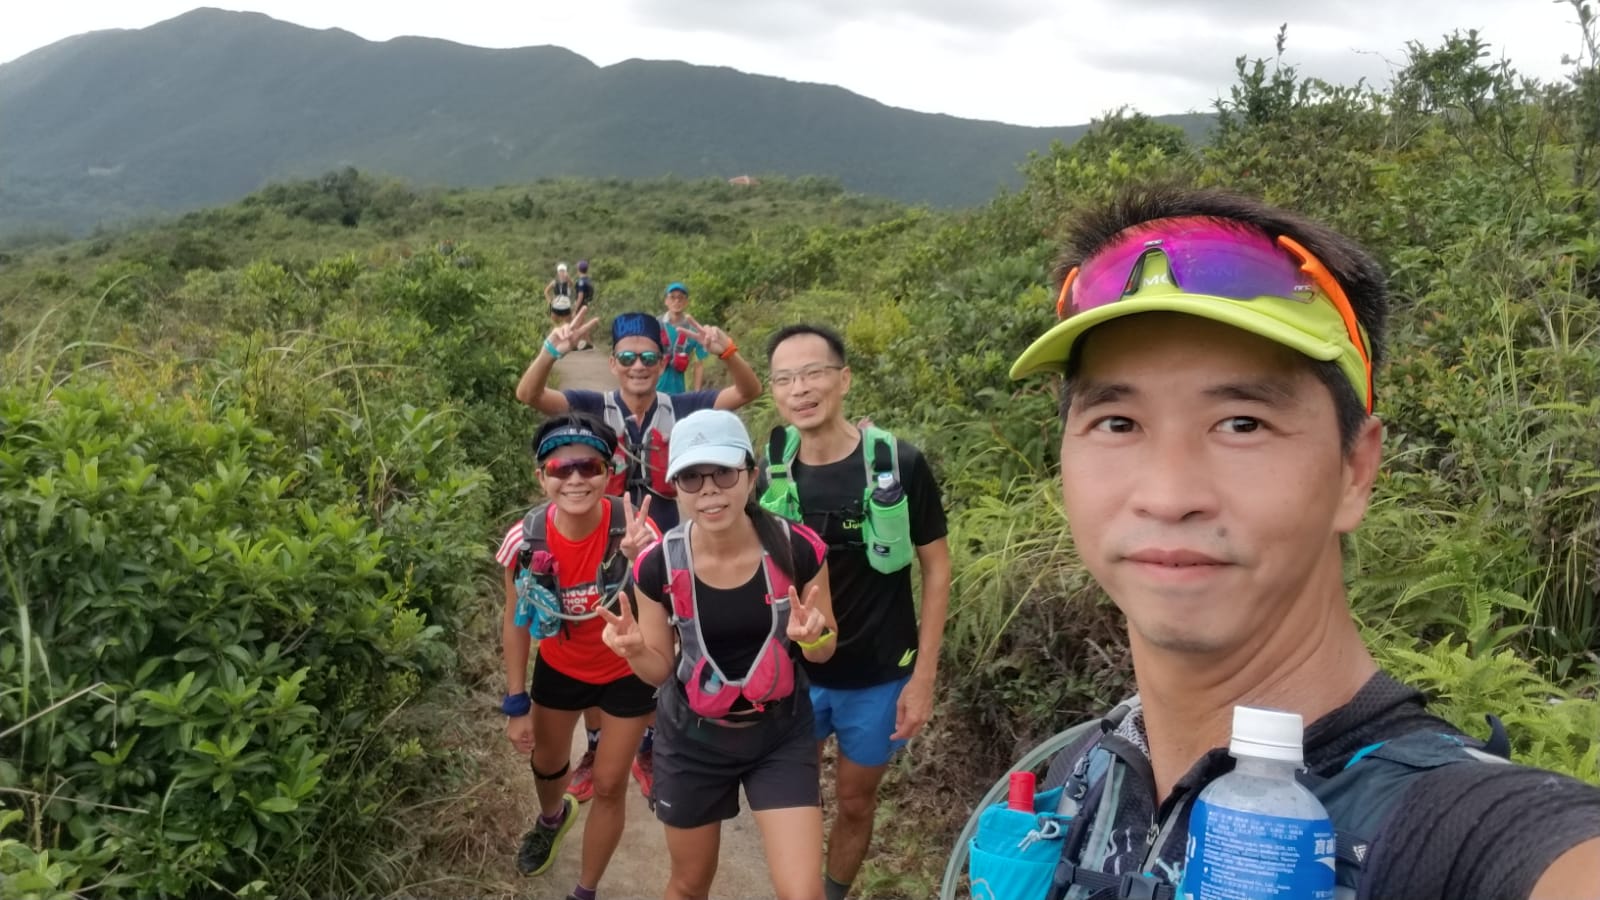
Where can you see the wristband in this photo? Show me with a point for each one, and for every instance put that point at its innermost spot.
(732, 349)
(551, 349)
(516, 705)
(826, 636)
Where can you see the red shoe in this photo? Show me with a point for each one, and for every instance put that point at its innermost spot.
(644, 772)
(582, 785)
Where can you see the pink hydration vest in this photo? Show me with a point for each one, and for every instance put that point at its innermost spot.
(710, 691)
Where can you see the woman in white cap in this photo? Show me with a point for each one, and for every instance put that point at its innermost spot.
(742, 591)
(559, 294)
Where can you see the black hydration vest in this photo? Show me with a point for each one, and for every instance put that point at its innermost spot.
(1358, 799)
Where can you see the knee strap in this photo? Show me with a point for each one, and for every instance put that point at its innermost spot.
(549, 776)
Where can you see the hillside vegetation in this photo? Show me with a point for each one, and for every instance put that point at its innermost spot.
(253, 462)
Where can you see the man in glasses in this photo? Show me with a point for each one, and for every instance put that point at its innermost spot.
(864, 492)
(1216, 357)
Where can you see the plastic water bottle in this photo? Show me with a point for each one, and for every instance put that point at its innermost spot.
(888, 491)
(1256, 833)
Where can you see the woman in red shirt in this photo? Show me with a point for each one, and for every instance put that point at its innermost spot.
(725, 602)
(567, 558)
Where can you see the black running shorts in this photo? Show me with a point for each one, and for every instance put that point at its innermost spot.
(699, 767)
(625, 698)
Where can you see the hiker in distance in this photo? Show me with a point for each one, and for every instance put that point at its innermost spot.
(564, 561)
(1218, 361)
(724, 605)
(874, 501)
(558, 295)
(684, 352)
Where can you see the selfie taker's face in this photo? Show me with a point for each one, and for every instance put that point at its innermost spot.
(1204, 482)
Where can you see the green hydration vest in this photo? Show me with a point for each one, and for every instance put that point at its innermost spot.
(886, 522)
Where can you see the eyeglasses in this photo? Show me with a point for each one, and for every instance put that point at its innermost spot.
(692, 480)
(803, 376)
(628, 357)
(582, 466)
(1207, 257)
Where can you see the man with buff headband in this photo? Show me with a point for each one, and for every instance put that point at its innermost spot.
(1217, 357)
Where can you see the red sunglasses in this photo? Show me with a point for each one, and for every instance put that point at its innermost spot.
(582, 466)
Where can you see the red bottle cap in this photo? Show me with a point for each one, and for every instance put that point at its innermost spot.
(1021, 796)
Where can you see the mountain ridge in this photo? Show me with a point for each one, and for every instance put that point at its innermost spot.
(210, 105)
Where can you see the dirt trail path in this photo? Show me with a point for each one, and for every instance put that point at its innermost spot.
(503, 802)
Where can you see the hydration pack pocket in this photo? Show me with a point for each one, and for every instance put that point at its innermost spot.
(1013, 855)
(886, 530)
(537, 607)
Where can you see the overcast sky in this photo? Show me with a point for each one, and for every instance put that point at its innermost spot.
(1033, 62)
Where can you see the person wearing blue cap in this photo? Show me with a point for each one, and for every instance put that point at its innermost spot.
(684, 351)
(641, 413)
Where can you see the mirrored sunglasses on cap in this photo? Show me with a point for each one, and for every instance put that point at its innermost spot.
(1276, 283)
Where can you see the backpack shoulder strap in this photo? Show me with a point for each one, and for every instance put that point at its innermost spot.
(783, 445)
(664, 418)
(680, 571)
(1361, 795)
(778, 581)
(880, 454)
(616, 522)
(534, 535)
(614, 416)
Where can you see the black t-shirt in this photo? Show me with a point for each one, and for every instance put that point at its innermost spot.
(585, 289)
(1465, 831)
(734, 622)
(877, 614)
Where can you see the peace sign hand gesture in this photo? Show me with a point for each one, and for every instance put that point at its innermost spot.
(638, 533)
(566, 337)
(714, 339)
(621, 633)
(806, 622)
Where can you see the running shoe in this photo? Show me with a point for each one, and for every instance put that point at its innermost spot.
(539, 846)
(582, 785)
(644, 772)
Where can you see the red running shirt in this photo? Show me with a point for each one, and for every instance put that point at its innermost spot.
(576, 650)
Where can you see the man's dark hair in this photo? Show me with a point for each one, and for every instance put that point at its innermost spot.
(1351, 265)
(829, 336)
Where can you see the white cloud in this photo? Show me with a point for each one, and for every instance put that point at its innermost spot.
(1037, 62)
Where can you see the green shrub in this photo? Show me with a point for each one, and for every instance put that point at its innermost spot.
(204, 632)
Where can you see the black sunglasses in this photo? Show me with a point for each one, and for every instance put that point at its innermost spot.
(628, 357)
(690, 482)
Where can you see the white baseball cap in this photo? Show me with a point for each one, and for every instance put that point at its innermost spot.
(710, 437)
